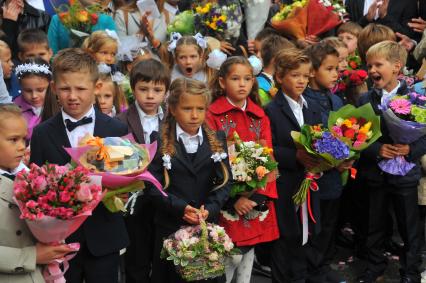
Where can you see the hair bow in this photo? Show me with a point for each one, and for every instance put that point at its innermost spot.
(175, 36)
(201, 41)
(256, 64)
(113, 34)
(216, 59)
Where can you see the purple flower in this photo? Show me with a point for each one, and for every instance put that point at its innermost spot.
(331, 145)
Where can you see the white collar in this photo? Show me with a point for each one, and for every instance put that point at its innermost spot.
(293, 103)
(242, 108)
(143, 115)
(15, 171)
(271, 77)
(171, 9)
(181, 133)
(90, 113)
(392, 92)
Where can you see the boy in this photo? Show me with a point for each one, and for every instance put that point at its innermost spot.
(149, 80)
(288, 111)
(103, 235)
(33, 43)
(348, 33)
(269, 48)
(385, 61)
(342, 50)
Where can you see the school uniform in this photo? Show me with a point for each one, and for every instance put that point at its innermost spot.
(383, 188)
(289, 258)
(103, 234)
(193, 175)
(140, 219)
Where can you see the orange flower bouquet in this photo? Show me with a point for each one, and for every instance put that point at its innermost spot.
(292, 19)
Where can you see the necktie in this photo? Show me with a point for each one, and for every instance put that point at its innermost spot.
(72, 125)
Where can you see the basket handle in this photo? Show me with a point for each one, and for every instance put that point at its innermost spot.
(203, 227)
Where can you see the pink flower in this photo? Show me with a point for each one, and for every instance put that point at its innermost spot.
(64, 196)
(84, 194)
(338, 131)
(31, 204)
(39, 183)
(400, 106)
(51, 195)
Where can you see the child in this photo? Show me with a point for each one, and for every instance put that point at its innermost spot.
(247, 220)
(103, 46)
(189, 58)
(348, 33)
(291, 255)
(254, 46)
(269, 48)
(385, 61)
(34, 77)
(341, 49)
(103, 235)
(110, 98)
(33, 43)
(6, 60)
(150, 81)
(195, 183)
(20, 256)
(371, 35)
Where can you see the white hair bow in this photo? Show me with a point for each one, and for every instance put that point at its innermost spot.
(113, 34)
(256, 64)
(216, 59)
(175, 36)
(201, 41)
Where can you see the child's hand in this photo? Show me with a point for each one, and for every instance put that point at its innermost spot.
(388, 151)
(345, 165)
(45, 253)
(226, 47)
(403, 149)
(307, 160)
(191, 215)
(244, 205)
(383, 9)
(372, 11)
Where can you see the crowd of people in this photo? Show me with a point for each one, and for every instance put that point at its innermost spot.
(191, 94)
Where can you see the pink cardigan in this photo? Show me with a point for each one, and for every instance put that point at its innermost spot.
(28, 113)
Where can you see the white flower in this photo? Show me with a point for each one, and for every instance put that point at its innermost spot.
(213, 256)
(167, 163)
(219, 156)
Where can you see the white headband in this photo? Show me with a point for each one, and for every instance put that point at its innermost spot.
(117, 77)
(175, 36)
(32, 68)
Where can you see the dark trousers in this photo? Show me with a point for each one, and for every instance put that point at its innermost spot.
(85, 267)
(404, 202)
(140, 227)
(292, 262)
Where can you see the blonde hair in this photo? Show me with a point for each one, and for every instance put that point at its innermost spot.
(74, 60)
(371, 35)
(289, 59)
(350, 27)
(178, 88)
(119, 98)
(390, 50)
(10, 110)
(96, 40)
(335, 42)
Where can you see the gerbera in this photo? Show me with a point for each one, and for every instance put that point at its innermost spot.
(400, 106)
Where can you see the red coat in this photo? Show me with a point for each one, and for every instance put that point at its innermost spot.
(251, 125)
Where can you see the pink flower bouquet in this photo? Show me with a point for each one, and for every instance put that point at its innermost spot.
(55, 201)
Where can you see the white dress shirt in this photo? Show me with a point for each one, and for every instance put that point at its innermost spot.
(367, 4)
(242, 108)
(191, 143)
(82, 130)
(15, 171)
(149, 123)
(297, 108)
(38, 4)
(386, 94)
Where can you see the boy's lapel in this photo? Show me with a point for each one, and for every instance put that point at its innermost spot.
(59, 134)
(285, 108)
(135, 123)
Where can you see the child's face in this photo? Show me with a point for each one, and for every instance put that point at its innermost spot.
(343, 58)
(6, 62)
(76, 92)
(383, 73)
(350, 40)
(294, 82)
(149, 96)
(190, 112)
(105, 97)
(33, 90)
(327, 74)
(106, 54)
(36, 50)
(188, 59)
(237, 83)
(13, 131)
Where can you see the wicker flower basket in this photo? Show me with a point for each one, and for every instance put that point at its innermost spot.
(201, 269)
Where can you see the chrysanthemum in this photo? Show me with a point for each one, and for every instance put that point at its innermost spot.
(400, 106)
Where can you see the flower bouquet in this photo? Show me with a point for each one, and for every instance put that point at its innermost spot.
(405, 116)
(356, 127)
(55, 201)
(351, 78)
(120, 161)
(292, 19)
(199, 252)
(252, 166)
(78, 20)
(183, 23)
(354, 62)
(323, 15)
(408, 76)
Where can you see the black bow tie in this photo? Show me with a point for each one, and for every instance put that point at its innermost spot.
(72, 125)
(9, 176)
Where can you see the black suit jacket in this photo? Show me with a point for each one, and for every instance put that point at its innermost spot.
(291, 171)
(103, 232)
(191, 182)
(400, 12)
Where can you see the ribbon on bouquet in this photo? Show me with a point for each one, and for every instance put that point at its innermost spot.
(53, 273)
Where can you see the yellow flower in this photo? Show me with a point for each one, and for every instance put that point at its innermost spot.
(366, 128)
(267, 150)
(347, 123)
(213, 25)
(222, 18)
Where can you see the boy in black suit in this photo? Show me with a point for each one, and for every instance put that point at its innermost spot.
(103, 235)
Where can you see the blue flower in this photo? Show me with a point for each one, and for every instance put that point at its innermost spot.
(331, 145)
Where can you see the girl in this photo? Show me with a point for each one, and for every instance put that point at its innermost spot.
(20, 256)
(247, 220)
(34, 77)
(185, 164)
(103, 46)
(189, 56)
(110, 98)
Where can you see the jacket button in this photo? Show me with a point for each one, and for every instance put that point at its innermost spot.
(18, 233)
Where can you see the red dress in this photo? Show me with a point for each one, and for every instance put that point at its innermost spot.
(251, 125)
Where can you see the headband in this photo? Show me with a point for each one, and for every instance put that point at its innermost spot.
(33, 68)
(175, 36)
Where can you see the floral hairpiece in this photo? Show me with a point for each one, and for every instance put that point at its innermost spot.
(175, 36)
(113, 34)
(32, 68)
(117, 76)
(167, 163)
(219, 156)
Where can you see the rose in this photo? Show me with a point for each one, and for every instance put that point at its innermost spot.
(82, 16)
(64, 196)
(261, 171)
(353, 65)
(349, 133)
(84, 194)
(31, 204)
(362, 74)
(39, 183)
(94, 18)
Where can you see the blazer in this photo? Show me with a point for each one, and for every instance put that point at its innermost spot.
(17, 245)
(191, 182)
(291, 171)
(368, 171)
(103, 232)
(397, 18)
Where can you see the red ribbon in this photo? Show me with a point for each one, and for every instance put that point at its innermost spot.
(314, 187)
(353, 172)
